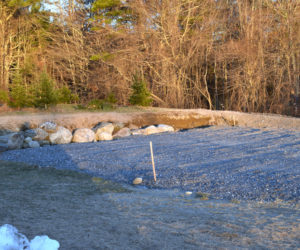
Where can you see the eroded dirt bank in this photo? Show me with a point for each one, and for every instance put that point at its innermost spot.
(180, 119)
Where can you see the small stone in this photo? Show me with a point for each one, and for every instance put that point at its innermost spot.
(33, 144)
(137, 181)
(188, 193)
(104, 137)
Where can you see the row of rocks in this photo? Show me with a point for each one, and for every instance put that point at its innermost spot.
(49, 133)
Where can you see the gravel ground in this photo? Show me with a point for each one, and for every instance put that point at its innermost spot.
(223, 162)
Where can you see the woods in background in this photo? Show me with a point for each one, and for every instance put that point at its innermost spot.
(239, 55)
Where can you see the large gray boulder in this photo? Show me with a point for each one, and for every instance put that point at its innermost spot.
(3, 147)
(4, 138)
(15, 141)
(30, 133)
(61, 136)
(83, 135)
(40, 135)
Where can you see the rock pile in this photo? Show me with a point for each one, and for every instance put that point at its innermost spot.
(49, 133)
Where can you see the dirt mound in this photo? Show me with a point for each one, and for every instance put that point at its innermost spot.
(180, 119)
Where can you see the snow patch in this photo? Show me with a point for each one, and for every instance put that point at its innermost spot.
(11, 239)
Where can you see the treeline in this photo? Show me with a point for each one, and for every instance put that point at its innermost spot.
(219, 54)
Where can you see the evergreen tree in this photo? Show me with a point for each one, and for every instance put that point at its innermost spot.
(18, 92)
(45, 93)
(140, 95)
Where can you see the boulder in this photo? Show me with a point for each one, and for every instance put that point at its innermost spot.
(137, 132)
(26, 142)
(4, 138)
(83, 135)
(104, 136)
(33, 144)
(30, 133)
(104, 127)
(61, 136)
(25, 126)
(165, 128)
(133, 126)
(150, 130)
(40, 134)
(28, 139)
(15, 141)
(117, 127)
(3, 147)
(49, 127)
(124, 132)
(5, 132)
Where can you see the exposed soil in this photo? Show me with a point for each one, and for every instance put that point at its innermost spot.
(179, 118)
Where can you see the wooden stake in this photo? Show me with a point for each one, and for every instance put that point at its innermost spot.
(153, 165)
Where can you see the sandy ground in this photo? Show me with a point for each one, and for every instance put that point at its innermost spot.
(180, 119)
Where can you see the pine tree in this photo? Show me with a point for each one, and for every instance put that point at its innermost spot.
(140, 95)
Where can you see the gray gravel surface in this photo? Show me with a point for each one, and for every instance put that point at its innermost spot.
(224, 162)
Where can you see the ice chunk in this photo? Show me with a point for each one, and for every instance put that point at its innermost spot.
(11, 239)
(43, 242)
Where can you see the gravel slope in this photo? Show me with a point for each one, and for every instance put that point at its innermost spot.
(225, 162)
